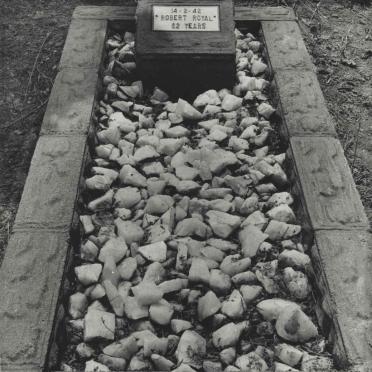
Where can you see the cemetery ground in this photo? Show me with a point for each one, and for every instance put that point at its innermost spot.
(338, 36)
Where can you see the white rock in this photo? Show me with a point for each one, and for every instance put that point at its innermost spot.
(192, 227)
(127, 268)
(258, 67)
(179, 325)
(98, 182)
(210, 97)
(288, 354)
(184, 368)
(78, 305)
(116, 248)
(161, 312)
(129, 176)
(265, 110)
(250, 239)
(231, 102)
(89, 251)
(229, 334)
(147, 293)
(191, 349)
(187, 111)
(271, 308)
(283, 213)
(256, 219)
(92, 366)
(158, 204)
(161, 363)
(103, 202)
(228, 355)
(115, 364)
(173, 285)
(155, 252)
(176, 132)
(88, 274)
(251, 362)
(234, 264)
(127, 197)
(223, 224)
(145, 153)
(280, 198)
(184, 172)
(234, 306)
(124, 348)
(277, 230)
(129, 231)
(199, 272)
(133, 310)
(208, 305)
(297, 283)
(84, 351)
(219, 281)
(169, 146)
(250, 293)
(246, 277)
(155, 272)
(295, 326)
(295, 259)
(113, 295)
(155, 345)
(87, 223)
(99, 324)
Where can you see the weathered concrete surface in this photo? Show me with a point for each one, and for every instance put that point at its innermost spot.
(30, 277)
(285, 46)
(302, 103)
(329, 191)
(342, 259)
(71, 102)
(49, 195)
(84, 44)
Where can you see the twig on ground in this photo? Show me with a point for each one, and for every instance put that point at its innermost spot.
(316, 10)
(35, 109)
(35, 63)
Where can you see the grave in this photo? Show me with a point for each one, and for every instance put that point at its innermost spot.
(36, 271)
(186, 48)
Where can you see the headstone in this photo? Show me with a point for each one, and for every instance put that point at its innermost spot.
(186, 47)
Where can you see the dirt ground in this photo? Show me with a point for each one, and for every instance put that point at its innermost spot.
(338, 35)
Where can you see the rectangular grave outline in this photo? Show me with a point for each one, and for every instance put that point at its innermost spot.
(191, 5)
(92, 16)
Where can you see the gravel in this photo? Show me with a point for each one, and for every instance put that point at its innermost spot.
(191, 255)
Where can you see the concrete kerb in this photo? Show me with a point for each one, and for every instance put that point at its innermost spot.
(35, 266)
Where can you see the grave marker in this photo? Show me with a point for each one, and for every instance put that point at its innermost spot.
(186, 48)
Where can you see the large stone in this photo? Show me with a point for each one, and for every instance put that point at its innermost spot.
(250, 239)
(147, 293)
(295, 326)
(88, 274)
(124, 348)
(250, 293)
(78, 305)
(234, 306)
(127, 268)
(219, 282)
(129, 231)
(192, 227)
(99, 325)
(180, 325)
(229, 334)
(161, 312)
(191, 349)
(131, 177)
(127, 197)
(208, 305)
(143, 153)
(155, 252)
(235, 264)
(158, 204)
(187, 111)
(133, 310)
(199, 271)
(288, 354)
(116, 248)
(294, 259)
(251, 362)
(223, 224)
(271, 308)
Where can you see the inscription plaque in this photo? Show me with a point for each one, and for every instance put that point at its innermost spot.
(186, 18)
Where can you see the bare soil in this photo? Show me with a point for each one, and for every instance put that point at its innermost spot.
(338, 35)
